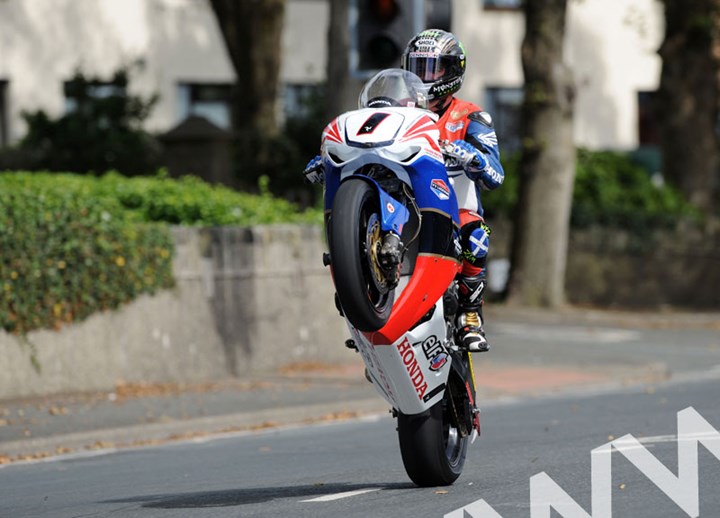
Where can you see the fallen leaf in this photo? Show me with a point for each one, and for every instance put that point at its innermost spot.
(61, 450)
(100, 445)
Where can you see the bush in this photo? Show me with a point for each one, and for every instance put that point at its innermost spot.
(283, 157)
(610, 190)
(65, 255)
(71, 245)
(103, 131)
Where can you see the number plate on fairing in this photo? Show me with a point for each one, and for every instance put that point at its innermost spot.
(371, 126)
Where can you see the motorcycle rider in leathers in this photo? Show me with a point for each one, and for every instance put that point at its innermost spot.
(438, 58)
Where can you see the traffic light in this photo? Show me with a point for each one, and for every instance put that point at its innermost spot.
(382, 29)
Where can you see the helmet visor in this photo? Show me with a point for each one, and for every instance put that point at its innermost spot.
(430, 67)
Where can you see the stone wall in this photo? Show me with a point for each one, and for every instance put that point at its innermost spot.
(251, 300)
(614, 268)
(246, 300)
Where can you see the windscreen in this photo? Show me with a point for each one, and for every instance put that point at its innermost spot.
(394, 87)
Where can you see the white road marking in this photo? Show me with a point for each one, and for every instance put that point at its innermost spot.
(674, 438)
(346, 494)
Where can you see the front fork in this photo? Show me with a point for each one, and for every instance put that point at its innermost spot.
(393, 216)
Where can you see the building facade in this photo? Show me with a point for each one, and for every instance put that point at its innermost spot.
(176, 51)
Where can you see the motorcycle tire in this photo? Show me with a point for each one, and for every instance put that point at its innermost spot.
(355, 208)
(433, 452)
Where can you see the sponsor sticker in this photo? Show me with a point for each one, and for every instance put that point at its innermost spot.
(440, 188)
(437, 362)
(455, 126)
(407, 354)
(459, 113)
(435, 352)
(390, 208)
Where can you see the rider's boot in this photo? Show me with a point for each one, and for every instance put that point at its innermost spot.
(471, 334)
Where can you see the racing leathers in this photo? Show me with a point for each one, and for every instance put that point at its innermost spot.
(477, 168)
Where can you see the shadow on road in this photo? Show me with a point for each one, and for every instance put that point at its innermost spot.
(257, 495)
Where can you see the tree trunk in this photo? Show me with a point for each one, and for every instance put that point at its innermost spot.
(547, 167)
(252, 30)
(342, 89)
(687, 102)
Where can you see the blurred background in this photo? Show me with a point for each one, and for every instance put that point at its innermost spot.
(606, 113)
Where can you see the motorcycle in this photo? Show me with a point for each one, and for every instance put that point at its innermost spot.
(392, 228)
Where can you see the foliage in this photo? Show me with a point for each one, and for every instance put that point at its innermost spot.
(101, 131)
(610, 190)
(71, 245)
(65, 254)
(283, 157)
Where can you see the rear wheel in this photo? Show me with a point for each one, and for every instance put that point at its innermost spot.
(355, 239)
(433, 450)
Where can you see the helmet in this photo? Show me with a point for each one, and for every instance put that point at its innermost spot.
(438, 58)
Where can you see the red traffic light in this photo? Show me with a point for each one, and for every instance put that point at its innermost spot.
(384, 11)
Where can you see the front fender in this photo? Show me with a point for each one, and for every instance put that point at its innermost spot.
(393, 214)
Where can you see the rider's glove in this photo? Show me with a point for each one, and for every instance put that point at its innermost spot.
(471, 159)
(313, 172)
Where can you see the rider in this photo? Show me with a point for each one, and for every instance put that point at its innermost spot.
(438, 58)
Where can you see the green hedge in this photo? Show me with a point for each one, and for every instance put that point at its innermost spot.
(72, 245)
(611, 190)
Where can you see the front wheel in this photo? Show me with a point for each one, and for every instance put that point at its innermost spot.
(432, 448)
(354, 239)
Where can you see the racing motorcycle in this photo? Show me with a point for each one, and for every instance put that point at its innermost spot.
(392, 228)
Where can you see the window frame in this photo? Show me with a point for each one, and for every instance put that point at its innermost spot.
(502, 120)
(189, 97)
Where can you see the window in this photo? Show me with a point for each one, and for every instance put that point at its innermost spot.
(504, 105)
(301, 100)
(502, 4)
(648, 152)
(3, 114)
(76, 89)
(647, 125)
(212, 101)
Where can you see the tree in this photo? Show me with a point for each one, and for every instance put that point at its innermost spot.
(547, 165)
(102, 132)
(252, 30)
(687, 102)
(340, 91)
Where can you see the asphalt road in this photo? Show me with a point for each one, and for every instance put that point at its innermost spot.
(353, 469)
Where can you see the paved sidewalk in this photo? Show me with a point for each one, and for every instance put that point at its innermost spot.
(582, 349)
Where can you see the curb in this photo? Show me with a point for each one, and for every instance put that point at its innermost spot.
(159, 433)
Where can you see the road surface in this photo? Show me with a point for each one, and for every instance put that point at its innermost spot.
(353, 469)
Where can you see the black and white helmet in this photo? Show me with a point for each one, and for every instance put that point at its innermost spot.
(438, 58)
